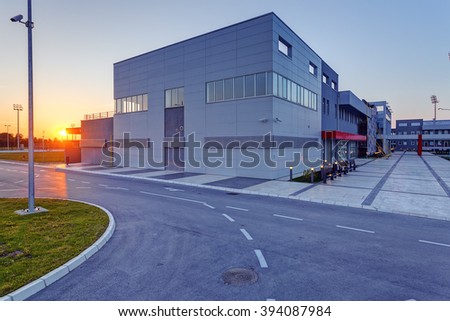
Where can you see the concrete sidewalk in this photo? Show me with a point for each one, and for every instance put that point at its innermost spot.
(404, 183)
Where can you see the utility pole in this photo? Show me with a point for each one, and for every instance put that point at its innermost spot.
(7, 136)
(18, 108)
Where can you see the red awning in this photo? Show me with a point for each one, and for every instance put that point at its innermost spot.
(336, 134)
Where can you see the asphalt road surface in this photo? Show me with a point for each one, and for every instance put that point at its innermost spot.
(175, 243)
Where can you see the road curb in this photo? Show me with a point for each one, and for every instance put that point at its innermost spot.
(34, 287)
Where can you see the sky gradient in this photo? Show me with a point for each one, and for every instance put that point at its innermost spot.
(382, 50)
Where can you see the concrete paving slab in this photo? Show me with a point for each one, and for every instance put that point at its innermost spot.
(176, 175)
(155, 173)
(405, 185)
(201, 179)
(27, 290)
(413, 204)
(237, 182)
(335, 194)
(355, 181)
(278, 188)
(55, 275)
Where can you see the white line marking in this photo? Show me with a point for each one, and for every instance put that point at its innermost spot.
(355, 229)
(269, 299)
(178, 198)
(171, 189)
(23, 172)
(82, 187)
(228, 217)
(118, 188)
(21, 181)
(434, 243)
(288, 217)
(48, 176)
(237, 208)
(102, 185)
(84, 182)
(42, 170)
(261, 259)
(246, 234)
(71, 179)
(37, 175)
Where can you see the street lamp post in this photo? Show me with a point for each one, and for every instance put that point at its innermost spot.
(29, 24)
(7, 136)
(18, 108)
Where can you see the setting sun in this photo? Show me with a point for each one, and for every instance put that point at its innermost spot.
(63, 132)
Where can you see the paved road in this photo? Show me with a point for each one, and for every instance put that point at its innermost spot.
(175, 243)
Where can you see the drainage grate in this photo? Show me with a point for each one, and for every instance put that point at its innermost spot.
(239, 276)
(232, 193)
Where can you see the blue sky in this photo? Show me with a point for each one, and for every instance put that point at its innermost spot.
(383, 50)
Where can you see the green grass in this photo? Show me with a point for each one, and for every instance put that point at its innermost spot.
(33, 245)
(306, 178)
(39, 157)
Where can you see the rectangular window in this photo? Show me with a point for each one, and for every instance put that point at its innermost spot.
(261, 84)
(402, 124)
(325, 79)
(270, 85)
(145, 102)
(312, 69)
(139, 102)
(275, 84)
(284, 88)
(174, 97)
(210, 92)
(333, 85)
(250, 86)
(238, 87)
(284, 47)
(219, 90)
(323, 105)
(415, 124)
(228, 89)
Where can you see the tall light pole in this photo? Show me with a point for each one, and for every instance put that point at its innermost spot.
(7, 136)
(29, 24)
(18, 108)
(434, 101)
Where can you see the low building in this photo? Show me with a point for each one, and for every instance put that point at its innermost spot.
(435, 135)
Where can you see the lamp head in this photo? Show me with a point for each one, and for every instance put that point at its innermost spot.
(17, 18)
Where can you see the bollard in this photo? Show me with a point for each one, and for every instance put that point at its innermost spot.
(290, 173)
(312, 174)
(324, 177)
(67, 160)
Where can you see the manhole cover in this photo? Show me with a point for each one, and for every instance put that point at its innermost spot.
(239, 276)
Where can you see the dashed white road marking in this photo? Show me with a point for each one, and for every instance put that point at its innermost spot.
(237, 208)
(261, 259)
(246, 234)
(228, 217)
(71, 179)
(37, 175)
(289, 217)
(434, 243)
(42, 170)
(171, 189)
(18, 182)
(82, 187)
(84, 182)
(178, 198)
(355, 229)
(117, 188)
(103, 185)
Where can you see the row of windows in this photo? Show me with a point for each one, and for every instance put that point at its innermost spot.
(326, 80)
(406, 124)
(444, 143)
(260, 84)
(347, 116)
(131, 104)
(425, 132)
(174, 97)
